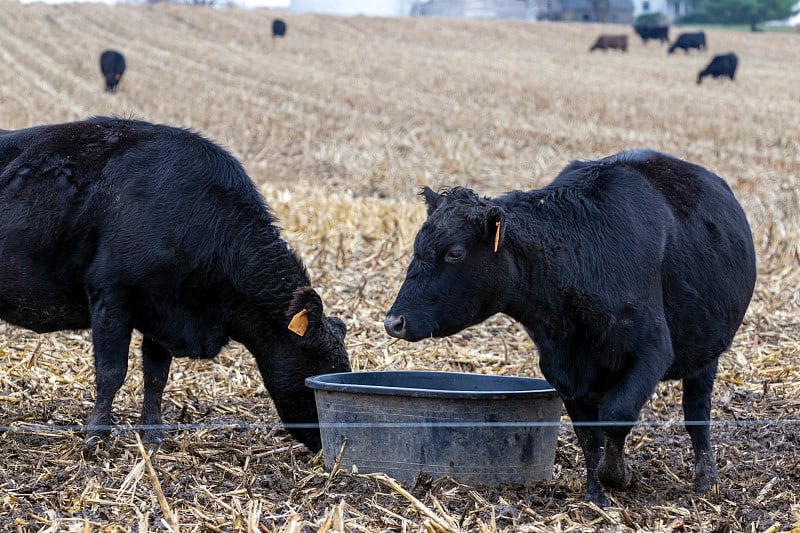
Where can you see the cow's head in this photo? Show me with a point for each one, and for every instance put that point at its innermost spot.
(457, 274)
(310, 344)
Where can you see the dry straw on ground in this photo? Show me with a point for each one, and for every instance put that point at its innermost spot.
(339, 124)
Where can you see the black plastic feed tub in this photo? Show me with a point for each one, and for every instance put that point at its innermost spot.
(478, 429)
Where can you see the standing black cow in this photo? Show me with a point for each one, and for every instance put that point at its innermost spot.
(117, 225)
(689, 40)
(610, 42)
(625, 271)
(112, 65)
(721, 65)
(278, 28)
(653, 31)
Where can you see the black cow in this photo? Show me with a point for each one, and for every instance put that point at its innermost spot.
(689, 40)
(610, 42)
(117, 225)
(278, 28)
(624, 271)
(647, 32)
(721, 65)
(112, 65)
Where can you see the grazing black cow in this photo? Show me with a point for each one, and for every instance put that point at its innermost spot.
(112, 65)
(624, 271)
(117, 225)
(278, 28)
(653, 31)
(721, 65)
(610, 42)
(689, 40)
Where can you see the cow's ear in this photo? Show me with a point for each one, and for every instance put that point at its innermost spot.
(432, 199)
(496, 226)
(304, 311)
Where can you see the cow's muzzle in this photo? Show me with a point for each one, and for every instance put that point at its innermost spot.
(396, 326)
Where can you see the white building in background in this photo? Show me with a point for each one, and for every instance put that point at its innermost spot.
(795, 19)
(671, 9)
(372, 8)
(646, 7)
(492, 9)
(500, 9)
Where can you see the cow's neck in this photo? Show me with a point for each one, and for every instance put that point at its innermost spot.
(269, 274)
(537, 252)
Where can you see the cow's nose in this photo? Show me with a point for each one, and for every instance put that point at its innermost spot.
(395, 326)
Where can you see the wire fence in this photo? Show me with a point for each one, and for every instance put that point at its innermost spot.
(38, 428)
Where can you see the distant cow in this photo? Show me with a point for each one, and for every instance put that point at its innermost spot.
(117, 225)
(689, 40)
(721, 65)
(112, 65)
(624, 271)
(278, 28)
(647, 32)
(610, 42)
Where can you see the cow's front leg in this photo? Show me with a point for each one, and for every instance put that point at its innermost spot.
(623, 401)
(584, 423)
(697, 416)
(156, 361)
(111, 337)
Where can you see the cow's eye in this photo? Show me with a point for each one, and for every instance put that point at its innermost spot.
(455, 254)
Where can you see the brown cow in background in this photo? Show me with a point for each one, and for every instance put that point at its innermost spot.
(606, 42)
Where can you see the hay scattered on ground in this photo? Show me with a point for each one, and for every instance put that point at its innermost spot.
(340, 123)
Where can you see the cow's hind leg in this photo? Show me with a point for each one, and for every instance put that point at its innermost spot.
(622, 403)
(697, 417)
(111, 337)
(590, 437)
(156, 361)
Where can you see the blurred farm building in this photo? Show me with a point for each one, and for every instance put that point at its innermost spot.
(620, 11)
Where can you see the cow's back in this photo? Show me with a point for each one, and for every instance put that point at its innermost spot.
(48, 227)
(100, 171)
(55, 178)
(116, 202)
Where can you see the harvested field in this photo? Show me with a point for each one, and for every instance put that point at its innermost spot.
(340, 123)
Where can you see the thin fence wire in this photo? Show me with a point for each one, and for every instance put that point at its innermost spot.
(38, 428)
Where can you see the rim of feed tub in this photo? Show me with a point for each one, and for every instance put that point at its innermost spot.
(433, 384)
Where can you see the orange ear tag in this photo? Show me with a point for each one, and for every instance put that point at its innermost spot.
(299, 323)
(497, 236)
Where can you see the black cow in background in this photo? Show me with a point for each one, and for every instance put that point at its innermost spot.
(117, 225)
(689, 40)
(721, 65)
(112, 65)
(624, 271)
(610, 42)
(652, 31)
(278, 28)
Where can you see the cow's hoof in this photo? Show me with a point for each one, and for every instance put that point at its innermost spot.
(598, 498)
(153, 437)
(617, 476)
(706, 479)
(95, 439)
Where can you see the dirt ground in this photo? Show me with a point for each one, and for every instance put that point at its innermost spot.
(254, 476)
